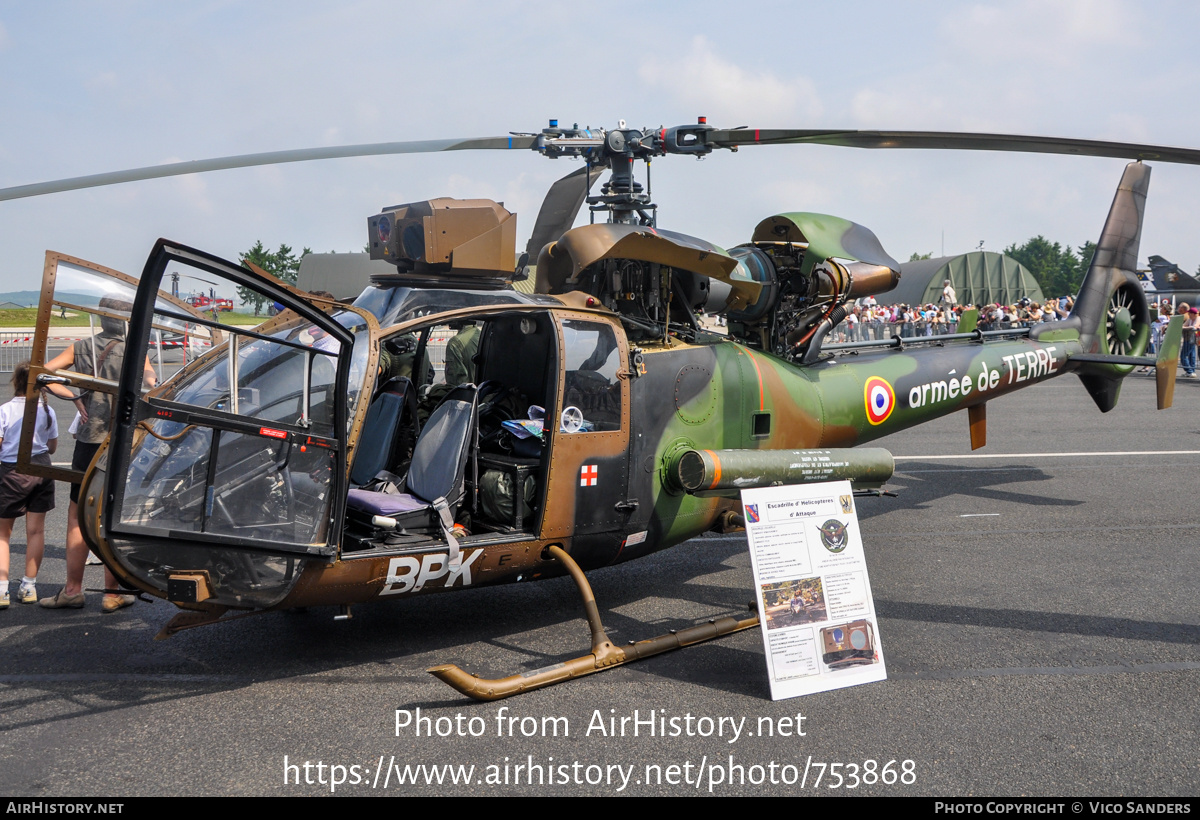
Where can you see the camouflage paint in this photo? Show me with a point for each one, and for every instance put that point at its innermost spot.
(718, 394)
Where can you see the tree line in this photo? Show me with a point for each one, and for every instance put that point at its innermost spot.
(1058, 269)
(282, 264)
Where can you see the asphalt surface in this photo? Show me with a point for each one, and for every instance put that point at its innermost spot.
(1037, 612)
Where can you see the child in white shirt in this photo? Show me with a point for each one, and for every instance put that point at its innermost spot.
(20, 493)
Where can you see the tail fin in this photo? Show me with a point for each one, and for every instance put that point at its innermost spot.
(1112, 313)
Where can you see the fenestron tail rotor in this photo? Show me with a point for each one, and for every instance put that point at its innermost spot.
(1125, 329)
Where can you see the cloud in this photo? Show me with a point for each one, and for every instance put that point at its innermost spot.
(899, 108)
(188, 188)
(103, 81)
(725, 91)
(1016, 65)
(1030, 33)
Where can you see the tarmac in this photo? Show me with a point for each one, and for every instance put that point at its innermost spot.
(1037, 611)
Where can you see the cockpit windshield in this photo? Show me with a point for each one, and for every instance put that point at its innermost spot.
(285, 375)
(393, 305)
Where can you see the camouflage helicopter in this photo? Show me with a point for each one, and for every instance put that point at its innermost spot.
(448, 431)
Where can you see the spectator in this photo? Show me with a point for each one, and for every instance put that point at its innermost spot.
(20, 493)
(852, 326)
(949, 297)
(1187, 354)
(95, 411)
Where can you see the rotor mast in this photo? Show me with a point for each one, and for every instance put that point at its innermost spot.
(624, 198)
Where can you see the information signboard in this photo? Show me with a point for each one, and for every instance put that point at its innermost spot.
(814, 595)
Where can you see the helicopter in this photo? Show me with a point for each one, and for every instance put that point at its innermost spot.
(447, 430)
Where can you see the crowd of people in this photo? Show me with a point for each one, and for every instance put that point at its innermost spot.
(1191, 323)
(867, 320)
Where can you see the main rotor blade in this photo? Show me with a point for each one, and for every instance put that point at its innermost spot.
(268, 158)
(954, 141)
(200, 279)
(560, 207)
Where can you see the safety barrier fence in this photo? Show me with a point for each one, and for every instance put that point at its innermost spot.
(15, 346)
(874, 331)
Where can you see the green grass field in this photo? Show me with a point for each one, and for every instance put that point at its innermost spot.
(27, 317)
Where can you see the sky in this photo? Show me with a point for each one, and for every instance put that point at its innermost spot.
(93, 87)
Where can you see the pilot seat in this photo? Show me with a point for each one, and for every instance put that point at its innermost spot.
(434, 486)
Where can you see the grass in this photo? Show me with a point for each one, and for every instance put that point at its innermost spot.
(235, 318)
(27, 317)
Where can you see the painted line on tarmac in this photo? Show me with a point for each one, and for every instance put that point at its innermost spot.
(120, 677)
(184, 677)
(1056, 455)
(1136, 528)
(954, 674)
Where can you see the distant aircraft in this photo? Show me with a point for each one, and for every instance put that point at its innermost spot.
(1166, 281)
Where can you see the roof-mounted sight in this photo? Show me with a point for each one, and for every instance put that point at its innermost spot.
(471, 238)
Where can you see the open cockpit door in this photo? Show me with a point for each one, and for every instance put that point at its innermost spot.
(244, 449)
(78, 346)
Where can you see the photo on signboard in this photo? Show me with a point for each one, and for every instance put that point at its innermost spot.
(793, 603)
(847, 645)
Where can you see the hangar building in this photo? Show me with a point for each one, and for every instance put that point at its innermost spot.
(978, 277)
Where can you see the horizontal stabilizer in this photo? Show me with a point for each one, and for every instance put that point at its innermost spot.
(1107, 358)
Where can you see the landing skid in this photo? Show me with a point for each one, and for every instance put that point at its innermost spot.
(604, 654)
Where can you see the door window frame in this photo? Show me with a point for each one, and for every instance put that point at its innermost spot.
(131, 408)
(82, 381)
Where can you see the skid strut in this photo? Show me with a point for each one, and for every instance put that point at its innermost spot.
(604, 654)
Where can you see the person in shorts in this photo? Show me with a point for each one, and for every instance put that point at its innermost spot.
(22, 494)
(100, 357)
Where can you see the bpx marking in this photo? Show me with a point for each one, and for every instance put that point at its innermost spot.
(408, 574)
(880, 399)
(588, 475)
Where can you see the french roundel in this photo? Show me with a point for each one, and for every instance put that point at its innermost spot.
(880, 398)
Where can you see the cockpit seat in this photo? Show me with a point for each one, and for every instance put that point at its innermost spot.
(383, 433)
(436, 481)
